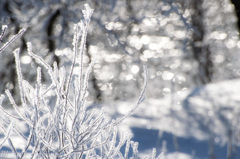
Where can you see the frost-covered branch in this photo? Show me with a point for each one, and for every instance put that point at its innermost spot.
(55, 113)
(11, 40)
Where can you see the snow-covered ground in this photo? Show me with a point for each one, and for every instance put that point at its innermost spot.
(194, 124)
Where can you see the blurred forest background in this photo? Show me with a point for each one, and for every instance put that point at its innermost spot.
(184, 43)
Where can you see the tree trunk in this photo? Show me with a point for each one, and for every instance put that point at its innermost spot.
(236, 3)
(201, 51)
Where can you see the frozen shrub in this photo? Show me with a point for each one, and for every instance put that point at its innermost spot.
(56, 117)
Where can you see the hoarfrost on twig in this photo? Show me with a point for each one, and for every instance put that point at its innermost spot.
(59, 124)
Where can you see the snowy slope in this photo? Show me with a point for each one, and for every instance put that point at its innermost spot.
(202, 119)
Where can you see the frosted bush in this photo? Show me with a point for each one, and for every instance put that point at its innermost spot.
(58, 122)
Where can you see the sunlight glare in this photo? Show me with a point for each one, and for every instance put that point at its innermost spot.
(230, 43)
(145, 39)
(238, 44)
(109, 26)
(148, 53)
(135, 69)
(153, 46)
(114, 26)
(129, 77)
(26, 59)
(61, 52)
(180, 34)
(219, 59)
(112, 57)
(218, 35)
(93, 49)
(167, 75)
(149, 22)
(166, 91)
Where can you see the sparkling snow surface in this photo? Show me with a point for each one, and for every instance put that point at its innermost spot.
(189, 122)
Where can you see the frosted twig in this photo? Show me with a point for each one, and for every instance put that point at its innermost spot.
(95, 140)
(34, 150)
(161, 156)
(11, 40)
(75, 50)
(90, 117)
(29, 93)
(6, 134)
(64, 148)
(19, 133)
(48, 89)
(38, 98)
(16, 108)
(140, 99)
(14, 128)
(13, 148)
(84, 25)
(95, 124)
(113, 142)
(4, 28)
(62, 78)
(48, 67)
(120, 144)
(38, 58)
(10, 115)
(19, 74)
(42, 62)
(127, 148)
(153, 153)
(67, 133)
(39, 76)
(87, 149)
(85, 84)
(81, 99)
(135, 149)
(28, 142)
(45, 143)
(1, 99)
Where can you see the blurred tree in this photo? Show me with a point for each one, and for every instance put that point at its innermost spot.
(190, 42)
(201, 51)
(236, 3)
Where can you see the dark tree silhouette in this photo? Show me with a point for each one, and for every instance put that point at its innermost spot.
(201, 51)
(236, 3)
(51, 41)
